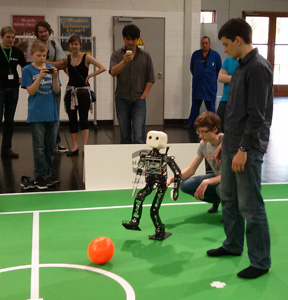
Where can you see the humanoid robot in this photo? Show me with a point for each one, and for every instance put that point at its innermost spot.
(155, 165)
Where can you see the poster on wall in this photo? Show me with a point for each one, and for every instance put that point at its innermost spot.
(24, 26)
(80, 26)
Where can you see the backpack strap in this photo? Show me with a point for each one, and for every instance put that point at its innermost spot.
(54, 46)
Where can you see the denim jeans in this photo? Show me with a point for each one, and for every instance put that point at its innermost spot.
(131, 116)
(58, 101)
(8, 103)
(212, 193)
(195, 109)
(242, 200)
(43, 138)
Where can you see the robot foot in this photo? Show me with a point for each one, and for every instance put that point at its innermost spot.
(160, 236)
(131, 225)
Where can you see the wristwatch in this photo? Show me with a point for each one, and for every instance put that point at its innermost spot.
(243, 149)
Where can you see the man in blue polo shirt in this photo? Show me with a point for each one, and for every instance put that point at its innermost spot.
(204, 66)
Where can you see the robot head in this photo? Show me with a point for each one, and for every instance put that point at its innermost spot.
(157, 139)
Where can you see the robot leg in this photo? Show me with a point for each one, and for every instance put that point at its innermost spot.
(160, 233)
(137, 209)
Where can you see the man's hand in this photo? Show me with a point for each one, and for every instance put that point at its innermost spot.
(239, 161)
(128, 57)
(169, 181)
(199, 194)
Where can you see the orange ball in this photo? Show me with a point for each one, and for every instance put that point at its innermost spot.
(101, 250)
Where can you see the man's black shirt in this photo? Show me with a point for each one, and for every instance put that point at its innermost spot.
(17, 58)
(250, 105)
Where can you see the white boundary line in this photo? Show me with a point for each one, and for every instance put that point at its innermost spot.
(87, 191)
(130, 294)
(117, 207)
(34, 289)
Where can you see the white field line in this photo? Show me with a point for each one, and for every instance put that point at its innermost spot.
(34, 290)
(99, 190)
(116, 207)
(130, 294)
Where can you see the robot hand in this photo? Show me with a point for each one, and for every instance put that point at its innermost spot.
(175, 191)
(137, 179)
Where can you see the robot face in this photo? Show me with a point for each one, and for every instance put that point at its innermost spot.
(157, 139)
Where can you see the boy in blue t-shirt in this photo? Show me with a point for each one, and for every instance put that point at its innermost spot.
(41, 81)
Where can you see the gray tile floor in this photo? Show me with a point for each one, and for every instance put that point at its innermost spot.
(70, 170)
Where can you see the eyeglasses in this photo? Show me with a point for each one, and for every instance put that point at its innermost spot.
(202, 131)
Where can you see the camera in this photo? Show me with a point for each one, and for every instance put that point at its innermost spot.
(50, 71)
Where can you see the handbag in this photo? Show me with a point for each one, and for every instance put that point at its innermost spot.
(92, 93)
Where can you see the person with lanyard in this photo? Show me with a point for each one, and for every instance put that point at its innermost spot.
(10, 58)
(205, 65)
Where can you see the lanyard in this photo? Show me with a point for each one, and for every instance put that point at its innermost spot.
(8, 59)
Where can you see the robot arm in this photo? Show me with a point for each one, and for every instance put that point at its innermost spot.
(177, 178)
(141, 165)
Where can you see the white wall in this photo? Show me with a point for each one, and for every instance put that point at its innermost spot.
(102, 11)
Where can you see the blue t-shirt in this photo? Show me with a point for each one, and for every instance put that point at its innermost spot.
(41, 106)
(230, 65)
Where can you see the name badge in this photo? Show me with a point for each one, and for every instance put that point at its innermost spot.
(10, 77)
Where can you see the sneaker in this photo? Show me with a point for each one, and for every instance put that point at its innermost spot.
(61, 149)
(26, 183)
(41, 184)
(51, 180)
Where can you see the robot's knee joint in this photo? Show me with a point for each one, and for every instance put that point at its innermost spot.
(154, 211)
(140, 197)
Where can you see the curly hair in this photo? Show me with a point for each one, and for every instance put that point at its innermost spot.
(43, 24)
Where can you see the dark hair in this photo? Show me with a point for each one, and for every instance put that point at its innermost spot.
(74, 38)
(205, 37)
(236, 27)
(43, 24)
(131, 31)
(208, 119)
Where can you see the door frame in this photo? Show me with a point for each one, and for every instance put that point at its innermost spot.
(128, 20)
(279, 90)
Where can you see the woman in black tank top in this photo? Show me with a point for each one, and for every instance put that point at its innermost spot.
(77, 97)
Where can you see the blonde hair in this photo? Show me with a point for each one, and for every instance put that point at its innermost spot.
(38, 46)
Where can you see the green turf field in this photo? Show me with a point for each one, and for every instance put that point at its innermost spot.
(44, 240)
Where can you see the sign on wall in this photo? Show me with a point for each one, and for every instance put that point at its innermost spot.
(24, 25)
(80, 26)
(112, 167)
